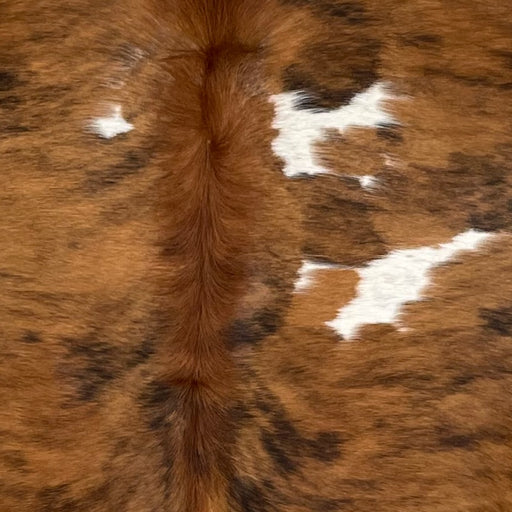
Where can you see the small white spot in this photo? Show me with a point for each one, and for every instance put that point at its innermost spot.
(387, 284)
(108, 127)
(367, 181)
(306, 272)
(299, 130)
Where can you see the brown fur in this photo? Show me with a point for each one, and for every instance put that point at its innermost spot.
(153, 356)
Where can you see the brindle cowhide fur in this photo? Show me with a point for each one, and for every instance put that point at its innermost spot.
(255, 256)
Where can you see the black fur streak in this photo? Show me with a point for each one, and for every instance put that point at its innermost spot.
(31, 337)
(498, 320)
(160, 400)
(7, 80)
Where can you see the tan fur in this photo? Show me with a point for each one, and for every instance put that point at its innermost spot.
(153, 354)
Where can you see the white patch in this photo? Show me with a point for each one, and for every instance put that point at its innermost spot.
(306, 272)
(367, 181)
(387, 284)
(299, 130)
(108, 127)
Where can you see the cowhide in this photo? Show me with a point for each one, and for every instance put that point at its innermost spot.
(255, 256)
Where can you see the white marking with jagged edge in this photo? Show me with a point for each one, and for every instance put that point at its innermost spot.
(300, 130)
(387, 284)
(109, 127)
(306, 272)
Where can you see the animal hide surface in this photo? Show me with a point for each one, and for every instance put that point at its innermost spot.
(255, 256)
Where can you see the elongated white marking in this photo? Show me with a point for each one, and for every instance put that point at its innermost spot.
(108, 127)
(299, 130)
(306, 272)
(387, 284)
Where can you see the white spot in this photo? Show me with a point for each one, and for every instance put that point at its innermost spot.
(367, 181)
(306, 273)
(387, 284)
(299, 130)
(108, 127)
